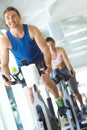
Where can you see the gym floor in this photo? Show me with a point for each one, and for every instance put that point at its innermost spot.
(65, 125)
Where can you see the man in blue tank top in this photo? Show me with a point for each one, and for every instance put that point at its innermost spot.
(26, 42)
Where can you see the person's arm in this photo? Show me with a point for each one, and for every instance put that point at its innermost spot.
(5, 59)
(66, 61)
(37, 36)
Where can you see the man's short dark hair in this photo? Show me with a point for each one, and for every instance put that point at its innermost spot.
(10, 8)
(48, 39)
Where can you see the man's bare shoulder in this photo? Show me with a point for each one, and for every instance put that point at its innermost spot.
(4, 37)
(33, 30)
(32, 27)
(4, 41)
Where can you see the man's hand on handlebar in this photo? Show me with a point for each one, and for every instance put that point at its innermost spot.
(8, 81)
(48, 69)
(8, 84)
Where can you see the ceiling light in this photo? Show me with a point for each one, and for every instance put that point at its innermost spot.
(77, 54)
(79, 48)
(75, 32)
(78, 40)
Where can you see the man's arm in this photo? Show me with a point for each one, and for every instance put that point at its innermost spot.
(5, 58)
(37, 36)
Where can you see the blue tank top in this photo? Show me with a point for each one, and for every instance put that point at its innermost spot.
(24, 48)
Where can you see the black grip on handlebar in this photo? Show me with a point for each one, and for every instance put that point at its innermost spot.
(57, 76)
(6, 79)
(24, 62)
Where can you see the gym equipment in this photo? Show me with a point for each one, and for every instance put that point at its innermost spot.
(14, 108)
(69, 100)
(45, 115)
(85, 96)
(6, 115)
(23, 108)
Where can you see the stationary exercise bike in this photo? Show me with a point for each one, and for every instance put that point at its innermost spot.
(44, 114)
(69, 100)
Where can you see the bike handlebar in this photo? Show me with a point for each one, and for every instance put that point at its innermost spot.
(6, 79)
(57, 76)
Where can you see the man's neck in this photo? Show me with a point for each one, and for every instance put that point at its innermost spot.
(17, 32)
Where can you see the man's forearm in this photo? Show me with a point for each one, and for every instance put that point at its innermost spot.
(5, 70)
(47, 58)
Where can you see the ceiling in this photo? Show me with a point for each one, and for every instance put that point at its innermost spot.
(40, 12)
(71, 14)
